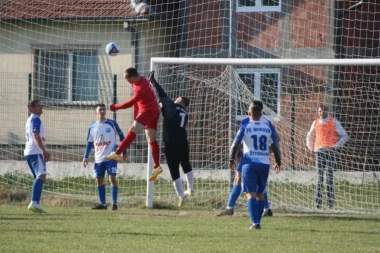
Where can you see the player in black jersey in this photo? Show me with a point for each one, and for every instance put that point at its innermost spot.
(175, 139)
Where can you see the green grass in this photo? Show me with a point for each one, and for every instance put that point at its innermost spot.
(349, 198)
(79, 229)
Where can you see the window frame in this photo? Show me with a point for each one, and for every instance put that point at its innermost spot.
(70, 50)
(259, 7)
(257, 88)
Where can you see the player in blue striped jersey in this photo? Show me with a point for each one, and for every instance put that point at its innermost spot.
(236, 188)
(35, 153)
(257, 137)
(102, 134)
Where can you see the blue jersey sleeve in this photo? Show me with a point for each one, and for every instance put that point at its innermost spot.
(88, 149)
(240, 134)
(35, 124)
(273, 135)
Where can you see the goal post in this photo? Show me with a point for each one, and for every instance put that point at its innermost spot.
(301, 86)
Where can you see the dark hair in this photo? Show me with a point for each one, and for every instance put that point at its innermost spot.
(259, 103)
(186, 101)
(131, 72)
(99, 104)
(33, 103)
(255, 110)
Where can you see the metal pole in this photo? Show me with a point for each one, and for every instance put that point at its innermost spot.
(114, 94)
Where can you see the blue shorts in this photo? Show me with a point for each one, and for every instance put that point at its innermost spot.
(101, 168)
(254, 176)
(36, 164)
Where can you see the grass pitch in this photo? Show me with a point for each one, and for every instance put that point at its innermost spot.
(80, 229)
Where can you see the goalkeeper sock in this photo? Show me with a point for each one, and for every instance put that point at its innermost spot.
(253, 210)
(190, 180)
(127, 141)
(102, 194)
(37, 190)
(155, 153)
(234, 195)
(179, 188)
(114, 190)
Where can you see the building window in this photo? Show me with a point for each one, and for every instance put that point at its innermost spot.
(258, 5)
(66, 76)
(265, 85)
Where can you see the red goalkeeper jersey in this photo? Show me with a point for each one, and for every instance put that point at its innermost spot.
(143, 98)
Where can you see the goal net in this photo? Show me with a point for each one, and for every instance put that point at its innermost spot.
(220, 95)
(53, 51)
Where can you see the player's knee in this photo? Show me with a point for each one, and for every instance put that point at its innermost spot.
(251, 195)
(42, 177)
(237, 179)
(100, 181)
(260, 196)
(113, 181)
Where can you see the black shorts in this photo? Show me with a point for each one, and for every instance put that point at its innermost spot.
(177, 154)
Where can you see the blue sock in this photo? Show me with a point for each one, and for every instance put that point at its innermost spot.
(260, 208)
(234, 195)
(252, 210)
(102, 194)
(266, 202)
(114, 194)
(37, 190)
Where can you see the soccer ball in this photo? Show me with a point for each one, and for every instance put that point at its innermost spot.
(112, 49)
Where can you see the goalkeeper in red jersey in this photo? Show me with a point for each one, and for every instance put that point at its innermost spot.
(146, 114)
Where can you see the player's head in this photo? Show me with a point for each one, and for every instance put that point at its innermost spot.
(35, 107)
(131, 75)
(323, 111)
(259, 103)
(100, 111)
(254, 112)
(184, 101)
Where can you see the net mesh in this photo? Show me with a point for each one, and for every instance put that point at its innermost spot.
(53, 51)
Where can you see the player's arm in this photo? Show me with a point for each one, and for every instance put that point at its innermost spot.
(168, 106)
(36, 125)
(310, 138)
(236, 146)
(40, 145)
(88, 149)
(343, 136)
(127, 104)
(277, 156)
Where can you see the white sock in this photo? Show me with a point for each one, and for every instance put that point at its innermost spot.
(229, 208)
(34, 202)
(190, 180)
(178, 188)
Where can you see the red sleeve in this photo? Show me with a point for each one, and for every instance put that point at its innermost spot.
(133, 100)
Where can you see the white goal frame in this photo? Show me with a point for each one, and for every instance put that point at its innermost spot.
(249, 62)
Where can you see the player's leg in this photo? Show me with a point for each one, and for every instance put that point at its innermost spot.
(187, 170)
(320, 171)
(330, 179)
(38, 167)
(99, 172)
(150, 133)
(127, 141)
(249, 178)
(262, 171)
(112, 172)
(172, 159)
(235, 192)
(267, 210)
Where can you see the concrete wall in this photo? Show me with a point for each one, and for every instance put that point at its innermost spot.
(58, 170)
